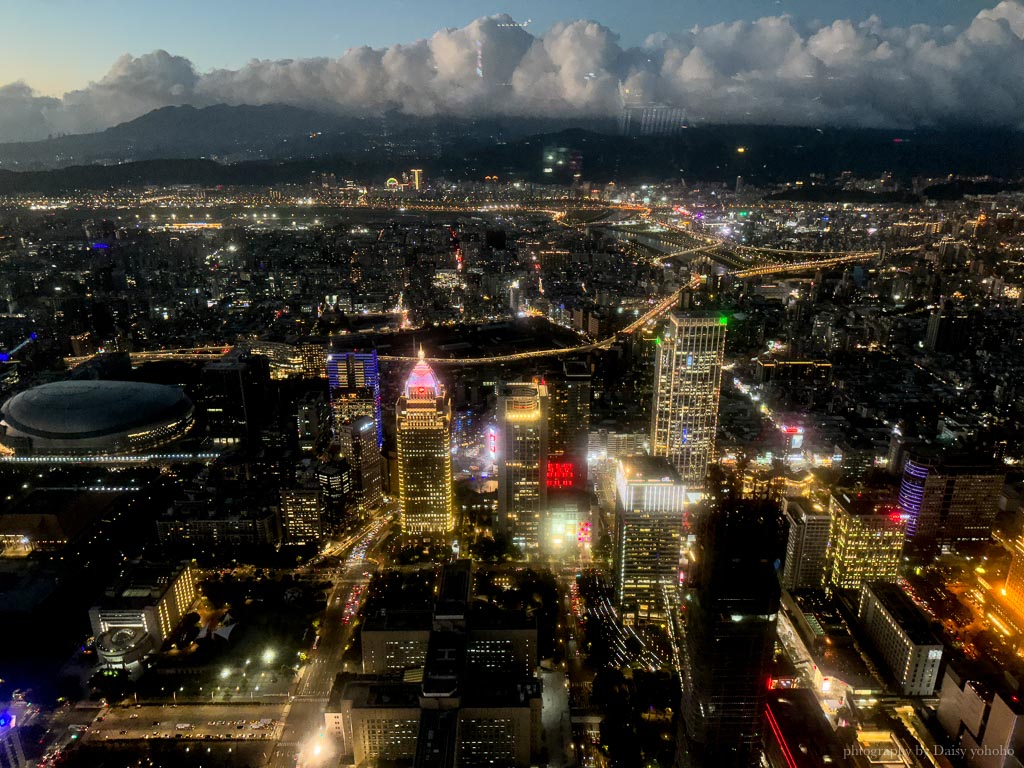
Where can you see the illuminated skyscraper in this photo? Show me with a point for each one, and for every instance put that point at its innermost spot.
(651, 521)
(424, 437)
(687, 376)
(865, 541)
(353, 379)
(522, 462)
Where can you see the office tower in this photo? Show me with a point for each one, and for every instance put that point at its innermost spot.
(651, 522)
(865, 539)
(806, 544)
(353, 380)
(358, 444)
(902, 636)
(522, 462)
(310, 419)
(729, 613)
(417, 178)
(687, 376)
(570, 409)
(949, 500)
(424, 437)
(337, 489)
(301, 510)
(235, 392)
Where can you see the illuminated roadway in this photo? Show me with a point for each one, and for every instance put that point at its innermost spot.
(303, 716)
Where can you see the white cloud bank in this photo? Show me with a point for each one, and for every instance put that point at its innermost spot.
(765, 71)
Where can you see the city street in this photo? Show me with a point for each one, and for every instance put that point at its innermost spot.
(556, 719)
(304, 713)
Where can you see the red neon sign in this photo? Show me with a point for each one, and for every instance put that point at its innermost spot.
(561, 474)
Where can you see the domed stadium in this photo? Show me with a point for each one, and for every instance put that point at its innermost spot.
(90, 418)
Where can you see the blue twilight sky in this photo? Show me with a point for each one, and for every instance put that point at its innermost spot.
(57, 45)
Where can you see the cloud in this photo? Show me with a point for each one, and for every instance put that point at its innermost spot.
(770, 70)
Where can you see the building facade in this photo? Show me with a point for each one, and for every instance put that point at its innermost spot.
(424, 438)
(949, 502)
(983, 716)
(687, 378)
(570, 409)
(651, 523)
(357, 440)
(151, 598)
(901, 636)
(522, 462)
(12, 755)
(730, 611)
(865, 540)
(301, 515)
(353, 380)
(806, 544)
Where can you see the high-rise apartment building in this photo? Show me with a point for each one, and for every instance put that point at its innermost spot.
(687, 377)
(729, 612)
(522, 462)
(424, 437)
(948, 501)
(314, 359)
(651, 513)
(865, 539)
(353, 379)
(806, 544)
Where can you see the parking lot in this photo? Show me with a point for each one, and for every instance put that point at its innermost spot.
(235, 722)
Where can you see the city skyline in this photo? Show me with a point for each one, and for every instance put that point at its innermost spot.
(474, 398)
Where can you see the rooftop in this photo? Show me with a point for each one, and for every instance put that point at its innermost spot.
(85, 409)
(650, 469)
(903, 611)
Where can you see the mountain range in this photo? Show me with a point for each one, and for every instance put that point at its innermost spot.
(280, 144)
